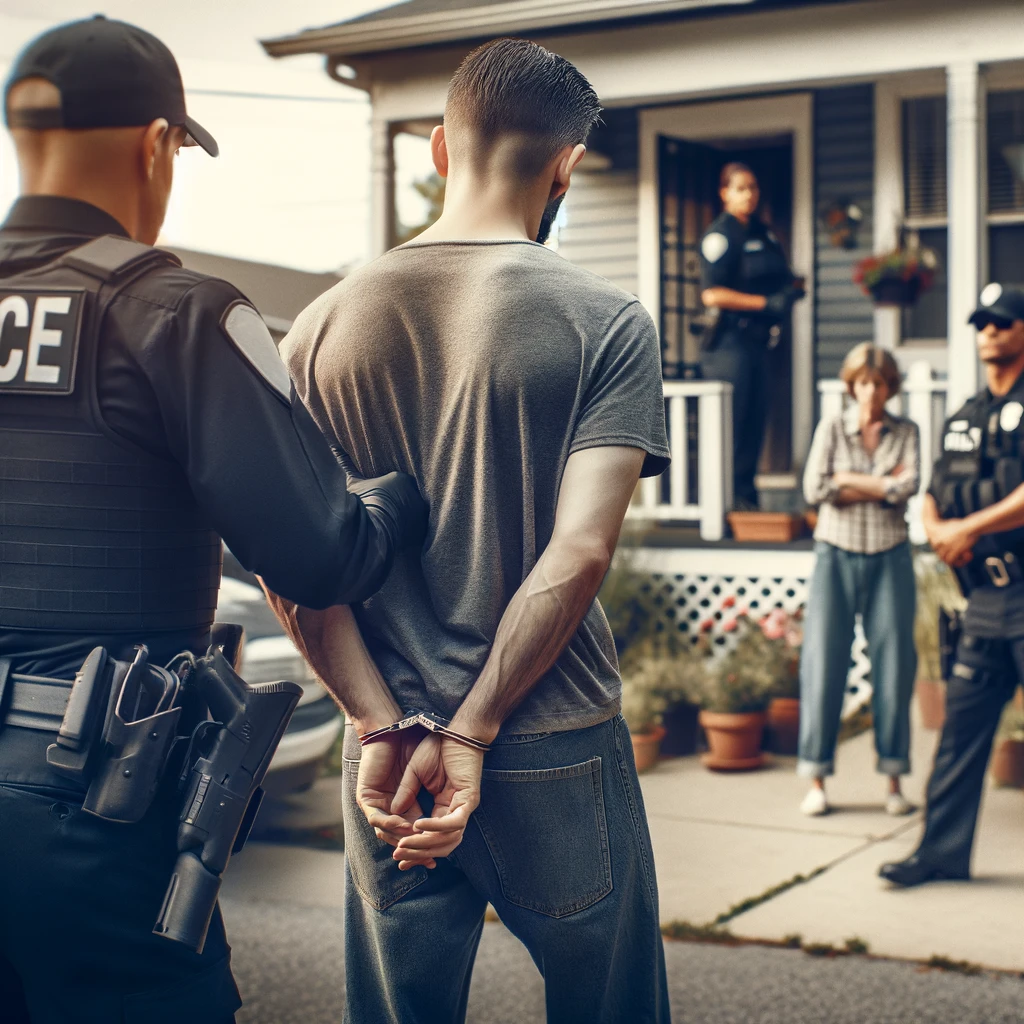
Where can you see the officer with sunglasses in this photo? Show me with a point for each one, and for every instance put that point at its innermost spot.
(974, 517)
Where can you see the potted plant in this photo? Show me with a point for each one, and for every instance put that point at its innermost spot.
(897, 277)
(650, 650)
(1007, 766)
(786, 633)
(642, 708)
(734, 690)
(937, 592)
(755, 527)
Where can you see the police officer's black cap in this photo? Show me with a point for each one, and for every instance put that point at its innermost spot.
(109, 74)
(998, 302)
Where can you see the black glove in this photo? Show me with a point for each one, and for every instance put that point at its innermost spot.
(777, 306)
(394, 503)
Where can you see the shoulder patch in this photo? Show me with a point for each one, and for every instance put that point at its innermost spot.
(251, 337)
(40, 330)
(991, 294)
(714, 246)
(1010, 416)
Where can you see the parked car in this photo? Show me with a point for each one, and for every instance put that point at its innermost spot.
(268, 655)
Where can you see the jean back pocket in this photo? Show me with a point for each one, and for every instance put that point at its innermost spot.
(548, 837)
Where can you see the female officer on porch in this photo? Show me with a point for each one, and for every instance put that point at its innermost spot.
(744, 274)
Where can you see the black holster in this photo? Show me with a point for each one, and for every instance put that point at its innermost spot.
(950, 628)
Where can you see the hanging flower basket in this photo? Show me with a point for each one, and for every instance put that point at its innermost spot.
(896, 278)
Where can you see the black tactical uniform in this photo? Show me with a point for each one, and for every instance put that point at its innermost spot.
(981, 463)
(747, 258)
(144, 415)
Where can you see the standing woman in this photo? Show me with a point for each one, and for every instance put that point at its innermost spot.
(863, 467)
(745, 275)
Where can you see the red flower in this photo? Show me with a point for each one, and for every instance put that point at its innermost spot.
(729, 602)
(707, 625)
(729, 626)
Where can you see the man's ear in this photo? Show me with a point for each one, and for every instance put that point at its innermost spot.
(439, 151)
(155, 133)
(568, 160)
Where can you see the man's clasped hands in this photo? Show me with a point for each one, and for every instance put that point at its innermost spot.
(393, 771)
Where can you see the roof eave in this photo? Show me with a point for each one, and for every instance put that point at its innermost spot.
(400, 33)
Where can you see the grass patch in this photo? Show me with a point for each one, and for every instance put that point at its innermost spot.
(944, 963)
(820, 949)
(755, 901)
(685, 931)
(794, 941)
(856, 946)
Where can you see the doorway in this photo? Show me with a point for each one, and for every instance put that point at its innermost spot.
(688, 177)
(682, 151)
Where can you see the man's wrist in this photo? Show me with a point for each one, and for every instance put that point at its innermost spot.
(475, 726)
(379, 718)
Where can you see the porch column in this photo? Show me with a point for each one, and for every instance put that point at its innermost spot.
(382, 187)
(963, 112)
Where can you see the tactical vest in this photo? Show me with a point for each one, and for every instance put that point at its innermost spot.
(96, 535)
(980, 465)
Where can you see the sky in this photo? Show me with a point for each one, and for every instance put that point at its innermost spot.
(291, 184)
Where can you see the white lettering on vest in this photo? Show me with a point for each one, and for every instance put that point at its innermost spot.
(42, 335)
(962, 442)
(17, 307)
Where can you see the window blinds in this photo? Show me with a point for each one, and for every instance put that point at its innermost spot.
(1006, 152)
(924, 157)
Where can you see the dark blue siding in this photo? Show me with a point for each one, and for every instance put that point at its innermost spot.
(844, 158)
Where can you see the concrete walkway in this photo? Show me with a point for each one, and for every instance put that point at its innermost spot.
(720, 839)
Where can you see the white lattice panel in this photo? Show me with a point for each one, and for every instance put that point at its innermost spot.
(688, 601)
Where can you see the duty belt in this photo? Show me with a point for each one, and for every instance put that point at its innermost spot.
(994, 570)
(32, 702)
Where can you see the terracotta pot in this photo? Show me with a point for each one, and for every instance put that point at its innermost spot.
(645, 747)
(931, 702)
(770, 527)
(734, 739)
(784, 724)
(681, 731)
(1008, 763)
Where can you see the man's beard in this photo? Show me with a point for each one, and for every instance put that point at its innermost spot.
(547, 220)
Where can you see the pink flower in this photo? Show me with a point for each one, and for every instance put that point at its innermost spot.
(729, 626)
(729, 602)
(707, 625)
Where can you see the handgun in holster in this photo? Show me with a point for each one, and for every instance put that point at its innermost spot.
(950, 628)
(226, 761)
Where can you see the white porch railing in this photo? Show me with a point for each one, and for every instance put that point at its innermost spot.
(698, 484)
(923, 400)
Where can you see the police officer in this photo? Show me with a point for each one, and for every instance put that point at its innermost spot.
(974, 517)
(144, 415)
(744, 274)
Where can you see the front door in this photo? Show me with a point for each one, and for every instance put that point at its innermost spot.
(689, 179)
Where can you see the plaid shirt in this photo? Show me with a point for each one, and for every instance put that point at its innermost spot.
(866, 527)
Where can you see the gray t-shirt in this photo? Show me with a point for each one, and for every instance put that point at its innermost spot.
(479, 367)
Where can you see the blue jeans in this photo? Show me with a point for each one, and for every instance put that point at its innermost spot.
(882, 590)
(559, 847)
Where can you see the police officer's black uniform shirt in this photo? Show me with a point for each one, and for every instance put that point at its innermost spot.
(745, 257)
(170, 381)
(980, 464)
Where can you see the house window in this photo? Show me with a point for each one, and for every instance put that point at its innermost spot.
(925, 215)
(1005, 214)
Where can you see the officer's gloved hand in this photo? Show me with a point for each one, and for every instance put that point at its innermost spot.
(777, 306)
(395, 505)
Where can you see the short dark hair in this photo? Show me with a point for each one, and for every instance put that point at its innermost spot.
(730, 169)
(514, 86)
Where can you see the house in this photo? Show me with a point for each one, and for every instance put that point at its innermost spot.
(911, 111)
(279, 293)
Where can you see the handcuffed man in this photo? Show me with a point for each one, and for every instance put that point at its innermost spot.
(524, 395)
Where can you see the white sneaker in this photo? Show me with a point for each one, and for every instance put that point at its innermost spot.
(815, 803)
(897, 805)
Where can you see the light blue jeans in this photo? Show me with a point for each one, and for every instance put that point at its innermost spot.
(881, 588)
(559, 847)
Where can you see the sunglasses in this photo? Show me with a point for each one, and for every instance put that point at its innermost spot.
(1000, 323)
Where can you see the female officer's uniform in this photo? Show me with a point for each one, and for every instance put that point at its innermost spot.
(747, 258)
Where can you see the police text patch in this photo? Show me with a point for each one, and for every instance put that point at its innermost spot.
(39, 333)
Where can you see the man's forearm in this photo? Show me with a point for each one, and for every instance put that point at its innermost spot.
(537, 625)
(333, 647)
(1007, 514)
